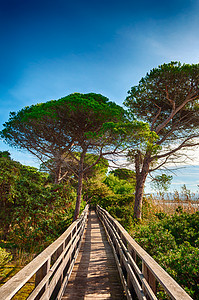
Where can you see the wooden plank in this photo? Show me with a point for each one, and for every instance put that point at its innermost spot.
(121, 249)
(95, 273)
(129, 262)
(11, 287)
(53, 268)
(114, 248)
(173, 289)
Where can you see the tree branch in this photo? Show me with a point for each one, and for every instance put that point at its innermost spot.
(183, 145)
(174, 112)
(159, 166)
(156, 117)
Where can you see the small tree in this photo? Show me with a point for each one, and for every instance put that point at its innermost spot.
(185, 192)
(5, 154)
(161, 183)
(168, 99)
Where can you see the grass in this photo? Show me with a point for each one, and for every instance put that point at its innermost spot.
(170, 206)
(9, 271)
(20, 259)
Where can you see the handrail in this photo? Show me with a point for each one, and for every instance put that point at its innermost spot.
(127, 252)
(52, 267)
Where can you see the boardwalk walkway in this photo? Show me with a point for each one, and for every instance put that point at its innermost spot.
(95, 274)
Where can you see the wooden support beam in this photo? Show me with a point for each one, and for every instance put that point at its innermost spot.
(151, 272)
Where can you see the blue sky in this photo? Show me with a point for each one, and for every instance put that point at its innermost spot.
(49, 49)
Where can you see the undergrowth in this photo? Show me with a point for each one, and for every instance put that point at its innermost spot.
(173, 241)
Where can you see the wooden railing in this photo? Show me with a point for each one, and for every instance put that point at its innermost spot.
(51, 269)
(130, 258)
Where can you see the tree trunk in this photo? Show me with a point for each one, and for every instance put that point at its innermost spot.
(140, 182)
(79, 187)
(139, 197)
(57, 174)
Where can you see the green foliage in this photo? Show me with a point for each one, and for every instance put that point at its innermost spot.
(33, 211)
(39, 222)
(163, 86)
(168, 99)
(5, 154)
(95, 190)
(73, 124)
(182, 264)
(155, 239)
(184, 227)
(119, 186)
(113, 194)
(116, 195)
(69, 167)
(124, 174)
(99, 169)
(76, 117)
(120, 207)
(162, 182)
(174, 243)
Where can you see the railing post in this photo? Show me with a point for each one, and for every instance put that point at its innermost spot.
(129, 282)
(132, 252)
(150, 278)
(59, 251)
(129, 255)
(40, 274)
(70, 259)
(48, 268)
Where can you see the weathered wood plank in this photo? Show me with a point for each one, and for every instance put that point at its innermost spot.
(10, 288)
(154, 269)
(95, 272)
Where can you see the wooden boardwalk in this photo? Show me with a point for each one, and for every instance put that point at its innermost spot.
(95, 274)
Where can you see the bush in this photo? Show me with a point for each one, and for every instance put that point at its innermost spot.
(184, 227)
(120, 207)
(173, 242)
(40, 221)
(154, 239)
(34, 212)
(183, 265)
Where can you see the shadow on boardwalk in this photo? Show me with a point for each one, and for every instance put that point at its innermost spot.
(95, 274)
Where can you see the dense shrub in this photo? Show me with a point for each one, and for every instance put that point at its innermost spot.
(120, 207)
(155, 239)
(184, 227)
(182, 264)
(33, 210)
(113, 193)
(173, 242)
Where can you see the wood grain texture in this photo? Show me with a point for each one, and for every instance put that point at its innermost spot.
(95, 275)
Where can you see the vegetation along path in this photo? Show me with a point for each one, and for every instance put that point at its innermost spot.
(95, 274)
